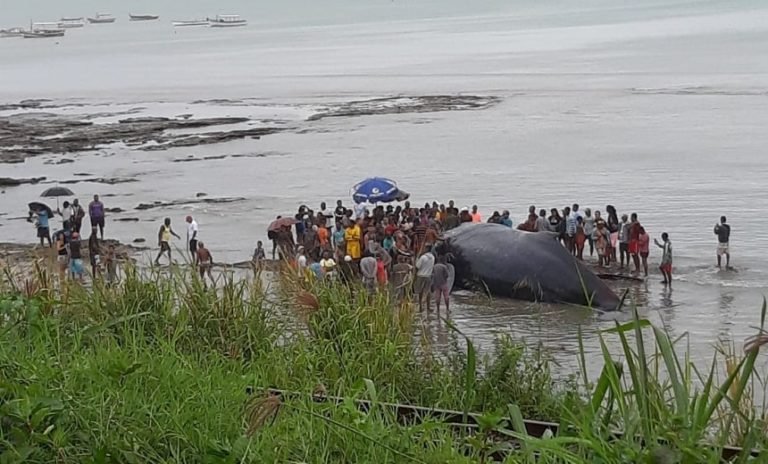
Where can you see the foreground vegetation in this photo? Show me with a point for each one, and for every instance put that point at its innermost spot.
(159, 369)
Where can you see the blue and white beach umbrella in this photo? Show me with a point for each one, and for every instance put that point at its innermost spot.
(377, 190)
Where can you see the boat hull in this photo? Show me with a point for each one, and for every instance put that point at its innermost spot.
(101, 20)
(225, 24)
(42, 34)
(189, 23)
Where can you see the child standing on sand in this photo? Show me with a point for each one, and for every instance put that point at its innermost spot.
(666, 258)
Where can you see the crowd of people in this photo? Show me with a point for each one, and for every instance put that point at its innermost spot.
(393, 245)
(384, 246)
(67, 241)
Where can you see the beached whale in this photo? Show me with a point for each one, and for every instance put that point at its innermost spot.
(523, 265)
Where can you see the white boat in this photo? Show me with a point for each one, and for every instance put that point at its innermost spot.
(102, 19)
(71, 23)
(193, 22)
(227, 21)
(45, 26)
(12, 32)
(72, 19)
(144, 17)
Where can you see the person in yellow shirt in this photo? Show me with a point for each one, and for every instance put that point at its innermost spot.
(352, 239)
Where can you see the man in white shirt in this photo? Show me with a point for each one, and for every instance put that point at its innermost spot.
(422, 286)
(326, 215)
(192, 230)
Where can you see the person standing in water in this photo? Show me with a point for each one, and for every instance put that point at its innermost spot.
(723, 232)
(589, 229)
(666, 258)
(440, 278)
(164, 240)
(643, 247)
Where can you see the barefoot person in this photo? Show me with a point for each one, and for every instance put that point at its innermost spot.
(440, 277)
(204, 261)
(192, 230)
(76, 257)
(666, 258)
(96, 213)
(643, 247)
(723, 232)
(422, 287)
(164, 240)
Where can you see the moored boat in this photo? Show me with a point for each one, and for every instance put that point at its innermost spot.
(144, 17)
(193, 22)
(102, 19)
(43, 33)
(227, 21)
(72, 19)
(71, 23)
(12, 32)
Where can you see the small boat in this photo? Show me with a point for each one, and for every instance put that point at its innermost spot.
(45, 25)
(143, 17)
(71, 23)
(12, 32)
(102, 19)
(43, 33)
(71, 19)
(193, 22)
(227, 21)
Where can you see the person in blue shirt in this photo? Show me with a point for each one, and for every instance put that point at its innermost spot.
(43, 229)
(505, 219)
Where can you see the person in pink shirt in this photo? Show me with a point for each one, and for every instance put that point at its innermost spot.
(476, 217)
(643, 247)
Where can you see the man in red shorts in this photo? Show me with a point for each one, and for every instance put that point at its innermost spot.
(634, 240)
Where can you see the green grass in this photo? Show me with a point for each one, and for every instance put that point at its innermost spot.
(158, 369)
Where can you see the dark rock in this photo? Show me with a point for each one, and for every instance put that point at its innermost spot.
(139, 240)
(82, 174)
(60, 161)
(201, 194)
(403, 104)
(101, 180)
(165, 204)
(131, 219)
(114, 210)
(11, 182)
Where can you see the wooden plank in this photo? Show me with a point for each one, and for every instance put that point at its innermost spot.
(415, 414)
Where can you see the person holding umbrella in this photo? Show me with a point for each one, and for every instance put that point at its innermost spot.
(43, 213)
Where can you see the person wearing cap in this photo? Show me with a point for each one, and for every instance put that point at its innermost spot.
(192, 231)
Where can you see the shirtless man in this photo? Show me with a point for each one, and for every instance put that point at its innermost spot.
(204, 262)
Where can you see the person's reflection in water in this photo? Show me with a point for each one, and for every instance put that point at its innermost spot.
(726, 316)
(667, 304)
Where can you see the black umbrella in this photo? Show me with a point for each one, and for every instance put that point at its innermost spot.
(57, 192)
(36, 207)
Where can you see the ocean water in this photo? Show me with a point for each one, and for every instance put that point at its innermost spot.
(655, 107)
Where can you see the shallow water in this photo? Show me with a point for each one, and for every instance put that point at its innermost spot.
(657, 108)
